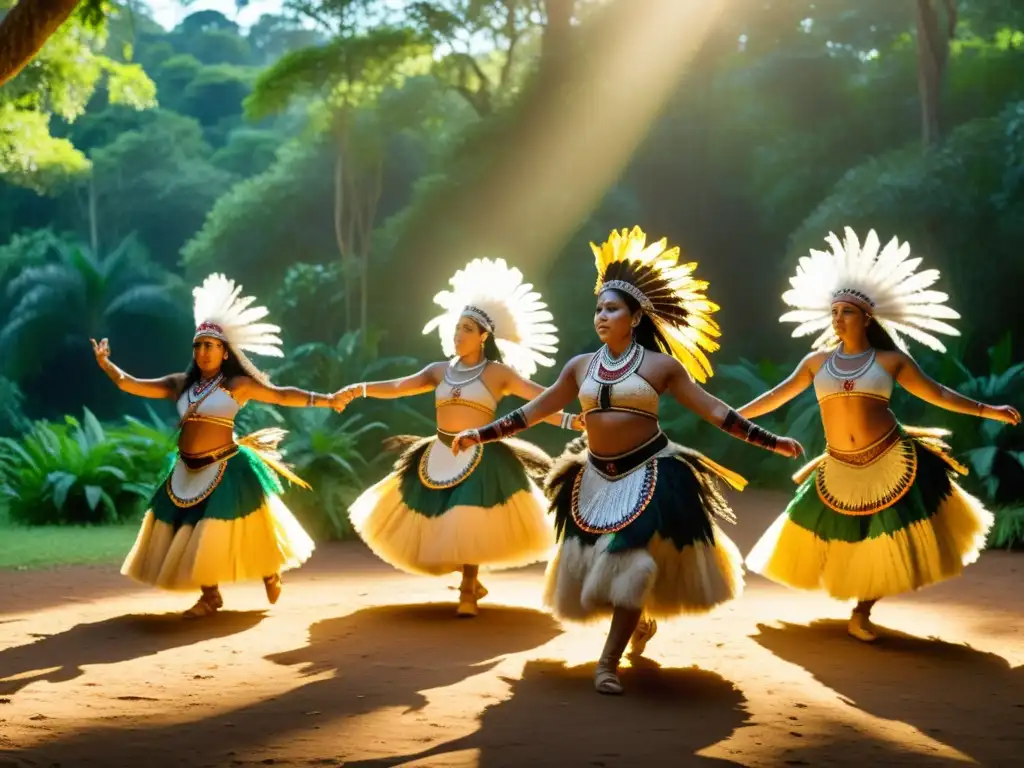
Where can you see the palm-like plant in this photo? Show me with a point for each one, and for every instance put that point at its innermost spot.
(80, 473)
(355, 357)
(326, 450)
(738, 383)
(80, 294)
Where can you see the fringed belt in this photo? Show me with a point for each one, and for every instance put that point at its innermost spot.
(613, 467)
(202, 459)
(609, 493)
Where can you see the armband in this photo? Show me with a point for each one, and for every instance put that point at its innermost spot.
(504, 427)
(748, 431)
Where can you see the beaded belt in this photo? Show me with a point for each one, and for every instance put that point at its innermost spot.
(865, 456)
(196, 461)
(616, 466)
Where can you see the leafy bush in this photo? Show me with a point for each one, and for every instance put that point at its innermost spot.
(324, 449)
(80, 473)
(12, 417)
(1008, 531)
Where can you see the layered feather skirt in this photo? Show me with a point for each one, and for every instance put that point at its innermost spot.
(638, 531)
(223, 522)
(878, 522)
(436, 512)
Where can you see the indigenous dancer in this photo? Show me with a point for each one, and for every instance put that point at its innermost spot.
(878, 513)
(218, 516)
(435, 514)
(633, 510)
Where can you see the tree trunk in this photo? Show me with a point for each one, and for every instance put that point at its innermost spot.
(26, 28)
(933, 37)
(94, 231)
(339, 224)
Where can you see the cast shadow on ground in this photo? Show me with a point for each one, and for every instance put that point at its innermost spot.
(554, 717)
(112, 641)
(970, 700)
(380, 657)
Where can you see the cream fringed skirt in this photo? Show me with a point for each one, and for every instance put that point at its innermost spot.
(223, 523)
(638, 531)
(437, 512)
(880, 522)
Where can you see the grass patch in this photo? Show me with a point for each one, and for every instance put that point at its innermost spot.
(52, 545)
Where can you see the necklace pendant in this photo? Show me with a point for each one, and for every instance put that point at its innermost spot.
(848, 385)
(456, 393)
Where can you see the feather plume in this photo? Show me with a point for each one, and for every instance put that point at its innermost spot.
(523, 327)
(900, 298)
(674, 300)
(218, 302)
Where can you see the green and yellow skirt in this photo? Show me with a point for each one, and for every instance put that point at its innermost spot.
(638, 531)
(874, 523)
(437, 512)
(219, 523)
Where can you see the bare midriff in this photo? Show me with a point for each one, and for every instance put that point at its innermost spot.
(199, 437)
(613, 433)
(457, 418)
(854, 422)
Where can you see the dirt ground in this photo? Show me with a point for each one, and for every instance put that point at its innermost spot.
(358, 665)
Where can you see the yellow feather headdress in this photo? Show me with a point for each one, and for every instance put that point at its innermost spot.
(667, 292)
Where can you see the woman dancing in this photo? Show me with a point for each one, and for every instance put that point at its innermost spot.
(218, 516)
(435, 513)
(633, 510)
(879, 513)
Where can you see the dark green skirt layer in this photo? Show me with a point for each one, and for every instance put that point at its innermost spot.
(932, 485)
(242, 490)
(496, 479)
(686, 499)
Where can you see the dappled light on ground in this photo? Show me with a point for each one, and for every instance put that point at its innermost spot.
(361, 665)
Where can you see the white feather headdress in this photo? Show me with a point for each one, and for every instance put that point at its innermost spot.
(884, 283)
(494, 295)
(221, 313)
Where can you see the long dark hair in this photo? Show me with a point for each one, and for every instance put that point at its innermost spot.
(491, 351)
(233, 366)
(646, 333)
(878, 338)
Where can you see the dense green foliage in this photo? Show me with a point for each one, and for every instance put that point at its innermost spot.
(311, 161)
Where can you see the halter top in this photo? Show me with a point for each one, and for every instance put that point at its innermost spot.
(472, 393)
(213, 405)
(869, 379)
(631, 393)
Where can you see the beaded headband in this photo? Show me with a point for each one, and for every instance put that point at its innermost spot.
(480, 316)
(853, 296)
(210, 330)
(632, 290)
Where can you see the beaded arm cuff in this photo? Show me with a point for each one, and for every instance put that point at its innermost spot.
(747, 430)
(504, 427)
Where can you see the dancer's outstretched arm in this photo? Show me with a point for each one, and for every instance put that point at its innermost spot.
(776, 397)
(691, 395)
(514, 384)
(918, 383)
(550, 401)
(425, 380)
(165, 388)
